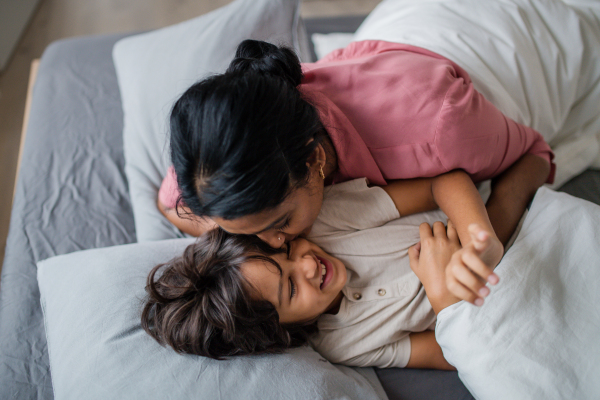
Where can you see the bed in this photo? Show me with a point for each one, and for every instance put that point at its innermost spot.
(73, 194)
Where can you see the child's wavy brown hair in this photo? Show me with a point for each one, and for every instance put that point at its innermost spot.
(200, 303)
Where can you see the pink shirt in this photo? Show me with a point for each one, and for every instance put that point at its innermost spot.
(395, 111)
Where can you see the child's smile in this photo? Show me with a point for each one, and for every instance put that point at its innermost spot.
(309, 283)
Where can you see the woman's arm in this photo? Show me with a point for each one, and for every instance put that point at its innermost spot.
(189, 223)
(512, 191)
(425, 352)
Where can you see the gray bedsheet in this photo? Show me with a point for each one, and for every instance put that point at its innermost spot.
(72, 195)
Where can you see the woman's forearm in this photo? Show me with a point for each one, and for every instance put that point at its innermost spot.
(512, 191)
(425, 352)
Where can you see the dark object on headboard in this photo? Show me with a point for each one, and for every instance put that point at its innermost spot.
(585, 186)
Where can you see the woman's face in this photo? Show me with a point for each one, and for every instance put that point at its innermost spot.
(308, 285)
(292, 218)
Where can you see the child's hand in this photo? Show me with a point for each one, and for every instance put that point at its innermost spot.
(473, 266)
(429, 259)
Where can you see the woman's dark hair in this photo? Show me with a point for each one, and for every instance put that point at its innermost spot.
(202, 304)
(240, 140)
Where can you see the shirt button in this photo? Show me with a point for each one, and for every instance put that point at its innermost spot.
(381, 292)
(357, 296)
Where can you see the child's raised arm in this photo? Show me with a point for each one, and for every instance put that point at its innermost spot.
(455, 194)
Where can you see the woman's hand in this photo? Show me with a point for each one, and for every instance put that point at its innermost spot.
(186, 221)
(429, 259)
(473, 266)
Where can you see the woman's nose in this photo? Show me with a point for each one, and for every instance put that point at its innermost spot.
(273, 239)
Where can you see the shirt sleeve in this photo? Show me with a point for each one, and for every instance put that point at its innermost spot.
(473, 135)
(169, 190)
(352, 206)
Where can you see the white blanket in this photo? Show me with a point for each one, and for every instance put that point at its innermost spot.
(538, 334)
(536, 60)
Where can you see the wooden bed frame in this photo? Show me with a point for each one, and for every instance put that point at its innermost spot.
(32, 76)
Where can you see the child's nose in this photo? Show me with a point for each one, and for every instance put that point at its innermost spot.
(309, 266)
(304, 258)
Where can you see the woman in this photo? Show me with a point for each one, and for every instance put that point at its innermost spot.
(253, 148)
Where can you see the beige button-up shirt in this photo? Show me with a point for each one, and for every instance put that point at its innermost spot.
(383, 301)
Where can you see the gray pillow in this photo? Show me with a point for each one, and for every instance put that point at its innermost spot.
(155, 68)
(92, 301)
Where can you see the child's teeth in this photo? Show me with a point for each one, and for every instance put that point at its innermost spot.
(323, 271)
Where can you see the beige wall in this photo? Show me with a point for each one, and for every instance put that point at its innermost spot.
(14, 16)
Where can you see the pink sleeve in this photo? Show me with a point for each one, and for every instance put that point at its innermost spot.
(472, 134)
(169, 191)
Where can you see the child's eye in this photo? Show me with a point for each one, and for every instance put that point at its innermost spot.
(292, 289)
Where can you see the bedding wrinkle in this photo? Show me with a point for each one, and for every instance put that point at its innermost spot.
(557, 104)
(543, 315)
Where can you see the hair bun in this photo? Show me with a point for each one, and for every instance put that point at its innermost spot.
(266, 58)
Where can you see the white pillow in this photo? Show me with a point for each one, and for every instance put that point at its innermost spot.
(155, 68)
(536, 61)
(98, 350)
(325, 43)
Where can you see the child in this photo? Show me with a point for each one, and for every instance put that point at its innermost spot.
(233, 295)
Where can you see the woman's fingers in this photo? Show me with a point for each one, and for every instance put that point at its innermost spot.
(439, 229)
(452, 233)
(413, 256)
(418, 247)
(462, 292)
(475, 264)
(469, 280)
(425, 231)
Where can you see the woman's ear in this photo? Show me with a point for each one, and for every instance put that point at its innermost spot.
(318, 156)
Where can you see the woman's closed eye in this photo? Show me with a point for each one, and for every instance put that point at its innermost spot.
(286, 224)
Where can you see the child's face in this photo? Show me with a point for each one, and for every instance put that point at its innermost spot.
(301, 292)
